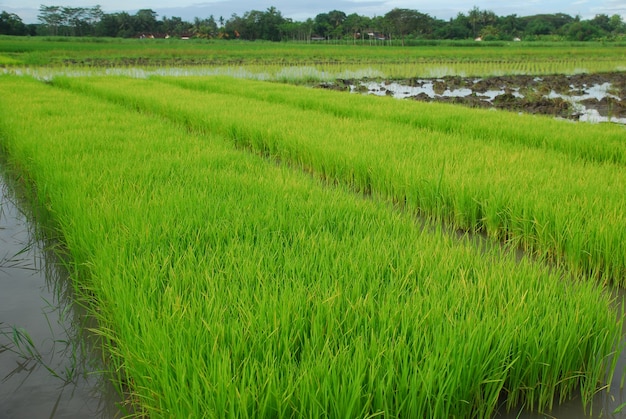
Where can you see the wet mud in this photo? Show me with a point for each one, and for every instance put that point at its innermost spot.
(586, 97)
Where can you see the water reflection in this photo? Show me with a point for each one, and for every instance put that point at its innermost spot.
(607, 404)
(585, 101)
(49, 365)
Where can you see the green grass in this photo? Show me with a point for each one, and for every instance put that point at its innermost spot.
(562, 201)
(229, 285)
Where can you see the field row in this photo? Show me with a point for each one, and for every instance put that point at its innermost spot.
(315, 62)
(561, 200)
(590, 142)
(227, 285)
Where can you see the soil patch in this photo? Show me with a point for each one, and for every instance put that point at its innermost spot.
(592, 97)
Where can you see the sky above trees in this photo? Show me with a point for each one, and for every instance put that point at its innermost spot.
(302, 10)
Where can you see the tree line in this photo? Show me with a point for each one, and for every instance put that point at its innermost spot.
(401, 26)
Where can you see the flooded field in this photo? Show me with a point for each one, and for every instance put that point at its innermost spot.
(585, 97)
(48, 368)
(581, 97)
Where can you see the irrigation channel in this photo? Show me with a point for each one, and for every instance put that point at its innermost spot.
(48, 367)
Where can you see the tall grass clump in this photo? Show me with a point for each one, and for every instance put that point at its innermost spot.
(228, 285)
(558, 206)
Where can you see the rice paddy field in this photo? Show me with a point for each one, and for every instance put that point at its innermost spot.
(301, 62)
(257, 249)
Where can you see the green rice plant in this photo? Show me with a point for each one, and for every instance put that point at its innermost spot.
(8, 61)
(306, 73)
(275, 59)
(229, 285)
(539, 198)
(585, 141)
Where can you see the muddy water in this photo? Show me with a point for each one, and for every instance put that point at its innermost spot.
(48, 366)
(583, 97)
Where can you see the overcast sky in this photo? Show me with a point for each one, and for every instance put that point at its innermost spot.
(300, 10)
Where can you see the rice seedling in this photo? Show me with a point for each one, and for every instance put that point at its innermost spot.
(553, 204)
(588, 142)
(320, 61)
(8, 61)
(228, 285)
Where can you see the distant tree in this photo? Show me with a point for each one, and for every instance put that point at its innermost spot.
(403, 22)
(617, 24)
(426, 25)
(355, 25)
(510, 27)
(582, 31)
(93, 16)
(126, 25)
(330, 25)
(436, 26)
(539, 27)
(108, 26)
(307, 28)
(270, 23)
(11, 24)
(546, 24)
(251, 28)
(386, 26)
(474, 18)
(457, 28)
(69, 21)
(602, 22)
(145, 21)
(297, 31)
(490, 33)
(291, 31)
(51, 19)
(608, 26)
(337, 18)
(204, 28)
(176, 26)
(81, 21)
(322, 26)
(478, 19)
(380, 26)
(234, 26)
